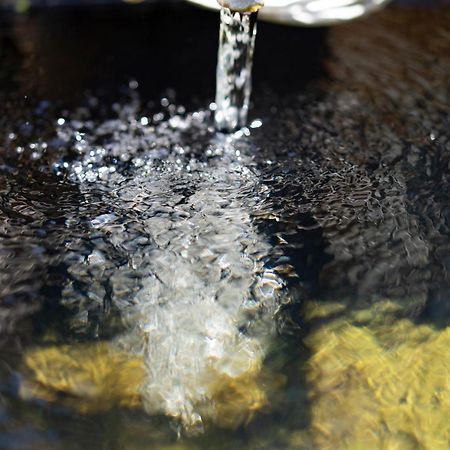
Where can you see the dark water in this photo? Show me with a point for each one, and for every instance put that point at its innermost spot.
(125, 216)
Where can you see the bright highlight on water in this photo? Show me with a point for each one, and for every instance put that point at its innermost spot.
(195, 295)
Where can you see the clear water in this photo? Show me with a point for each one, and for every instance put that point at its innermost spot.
(321, 231)
(234, 69)
(174, 246)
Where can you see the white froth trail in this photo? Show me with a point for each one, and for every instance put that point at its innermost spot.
(204, 310)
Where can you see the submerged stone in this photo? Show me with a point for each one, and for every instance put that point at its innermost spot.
(98, 377)
(380, 385)
(89, 378)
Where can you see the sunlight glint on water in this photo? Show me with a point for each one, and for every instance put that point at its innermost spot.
(194, 293)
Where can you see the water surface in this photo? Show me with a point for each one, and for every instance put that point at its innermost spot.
(333, 215)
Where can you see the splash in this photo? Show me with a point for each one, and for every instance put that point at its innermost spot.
(185, 263)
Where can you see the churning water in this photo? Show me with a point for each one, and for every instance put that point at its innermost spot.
(175, 251)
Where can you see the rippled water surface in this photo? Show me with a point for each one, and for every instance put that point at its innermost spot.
(164, 286)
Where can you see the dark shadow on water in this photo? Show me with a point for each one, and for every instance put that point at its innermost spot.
(68, 50)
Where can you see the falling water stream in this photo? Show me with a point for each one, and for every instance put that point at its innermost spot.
(234, 68)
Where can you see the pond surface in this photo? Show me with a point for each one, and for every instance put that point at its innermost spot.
(163, 286)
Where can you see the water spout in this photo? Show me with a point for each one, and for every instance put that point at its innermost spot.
(234, 68)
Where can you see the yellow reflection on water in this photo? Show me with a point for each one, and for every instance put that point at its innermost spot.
(97, 377)
(89, 378)
(380, 386)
